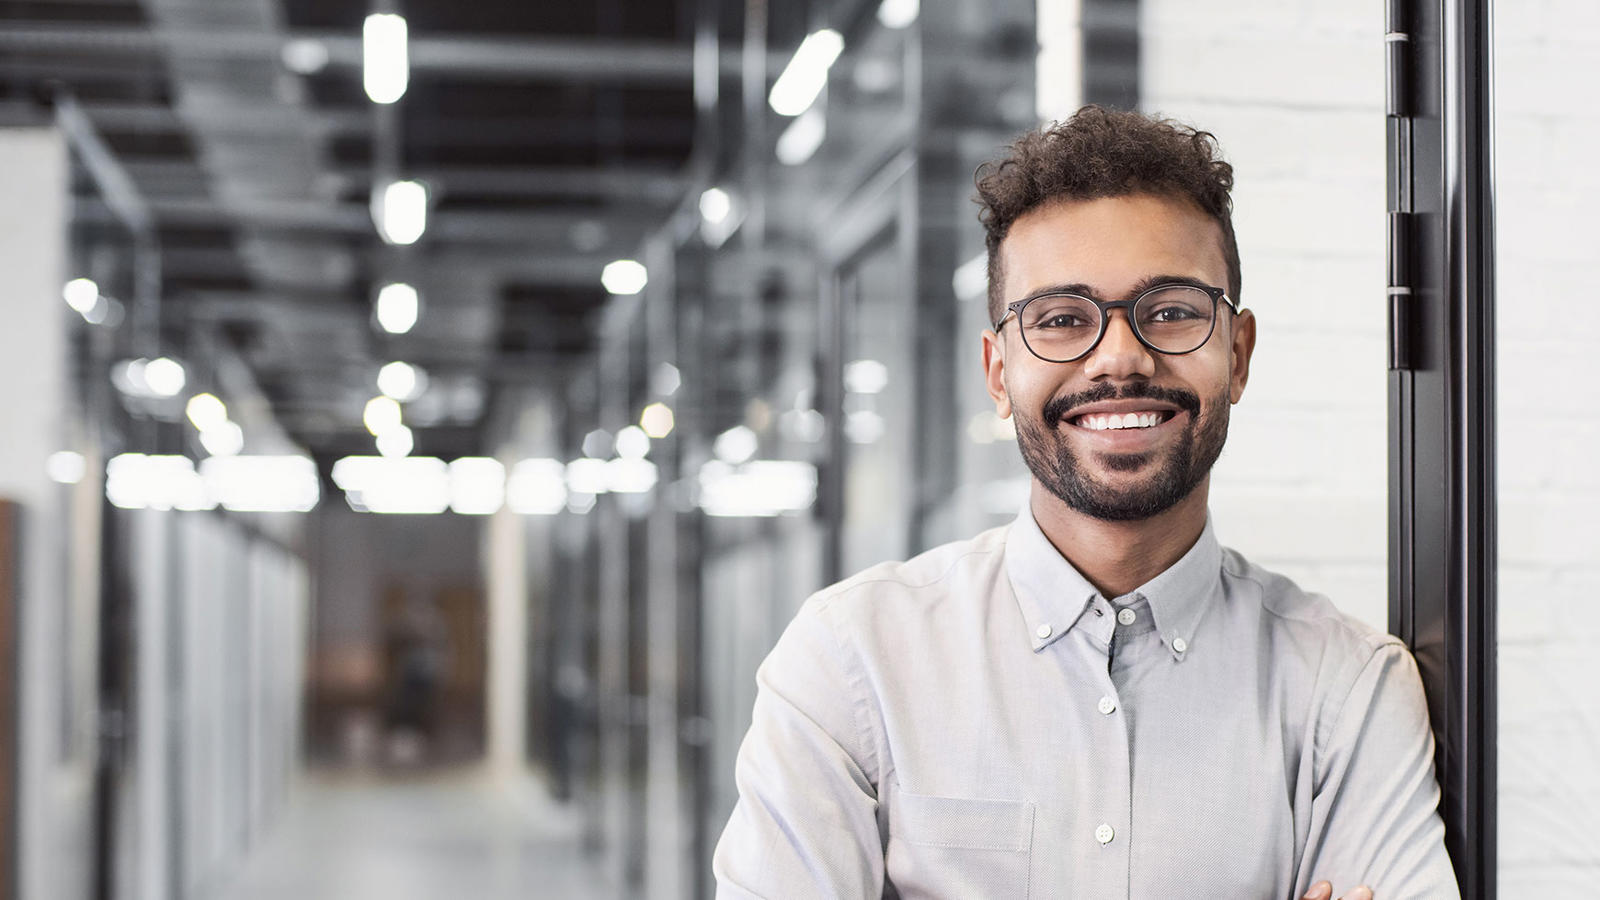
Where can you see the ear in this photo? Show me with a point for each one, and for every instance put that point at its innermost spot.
(1242, 336)
(994, 372)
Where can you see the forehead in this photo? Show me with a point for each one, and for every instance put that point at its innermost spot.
(1109, 244)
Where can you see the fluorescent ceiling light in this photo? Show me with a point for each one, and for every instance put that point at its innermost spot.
(865, 376)
(137, 481)
(633, 443)
(587, 476)
(757, 488)
(416, 484)
(385, 68)
(537, 487)
(657, 420)
(263, 483)
(799, 142)
(226, 439)
(304, 56)
(735, 445)
(477, 486)
(624, 276)
(630, 476)
(81, 294)
(400, 210)
(205, 411)
(381, 416)
(715, 204)
(807, 73)
(66, 467)
(898, 13)
(396, 443)
(165, 377)
(400, 380)
(397, 308)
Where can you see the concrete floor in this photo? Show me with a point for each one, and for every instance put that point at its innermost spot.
(420, 837)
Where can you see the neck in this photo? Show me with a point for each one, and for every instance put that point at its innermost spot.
(1117, 557)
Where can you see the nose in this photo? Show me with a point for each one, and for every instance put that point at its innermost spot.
(1119, 353)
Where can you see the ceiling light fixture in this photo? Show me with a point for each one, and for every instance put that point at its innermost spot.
(206, 412)
(715, 204)
(633, 442)
(385, 68)
(81, 294)
(624, 276)
(304, 56)
(226, 439)
(381, 416)
(401, 380)
(657, 420)
(165, 377)
(799, 142)
(396, 442)
(397, 307)
(66, 467)
(898, 13)
(400, 210)
(806, 74)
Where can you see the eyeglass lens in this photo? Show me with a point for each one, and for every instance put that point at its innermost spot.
(1062, 326)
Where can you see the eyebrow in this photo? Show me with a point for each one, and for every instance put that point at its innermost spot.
(1144, 284)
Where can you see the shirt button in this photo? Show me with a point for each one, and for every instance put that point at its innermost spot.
(1107, 706)
(1044, 631)
(1126, 616)
(1179, 644)
(1104, 834)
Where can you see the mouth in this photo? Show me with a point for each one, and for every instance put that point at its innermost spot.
(1134, 419)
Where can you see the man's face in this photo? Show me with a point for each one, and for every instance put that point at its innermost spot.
(1110, 249)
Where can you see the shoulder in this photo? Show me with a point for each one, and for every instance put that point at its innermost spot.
(1300, 615)
(1308, 639)
(918, 586)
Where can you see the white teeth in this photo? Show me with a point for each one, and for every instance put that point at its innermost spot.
(1118, 422)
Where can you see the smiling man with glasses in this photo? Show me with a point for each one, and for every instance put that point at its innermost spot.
(1097, 700)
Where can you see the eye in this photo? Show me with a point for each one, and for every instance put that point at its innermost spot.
(1062, 320)
(1060, 314)
(1170, 314)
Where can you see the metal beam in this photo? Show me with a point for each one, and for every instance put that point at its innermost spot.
(623, 224)
(652, 63)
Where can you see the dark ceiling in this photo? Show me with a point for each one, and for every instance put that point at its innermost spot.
(553, 137)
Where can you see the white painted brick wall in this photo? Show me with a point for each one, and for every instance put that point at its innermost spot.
(1547, 58)
(1294, 92)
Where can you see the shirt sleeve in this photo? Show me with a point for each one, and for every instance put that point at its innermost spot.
(806, 822)
(1375, 814)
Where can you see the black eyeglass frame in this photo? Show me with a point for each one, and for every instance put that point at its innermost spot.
(1106, 306)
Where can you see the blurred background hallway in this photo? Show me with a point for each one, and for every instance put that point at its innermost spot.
(418, 418)
(449, 833)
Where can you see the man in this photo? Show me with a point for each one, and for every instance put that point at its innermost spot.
(1096, 700)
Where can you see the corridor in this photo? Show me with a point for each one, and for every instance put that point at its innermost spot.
(457, 834)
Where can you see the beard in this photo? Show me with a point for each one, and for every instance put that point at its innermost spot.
(1175, 471)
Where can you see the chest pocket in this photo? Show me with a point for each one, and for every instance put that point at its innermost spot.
(956, 847)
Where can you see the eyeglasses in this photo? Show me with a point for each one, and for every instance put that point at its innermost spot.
(1169, 318)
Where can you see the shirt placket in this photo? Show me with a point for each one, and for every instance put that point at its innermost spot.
(1108, 830)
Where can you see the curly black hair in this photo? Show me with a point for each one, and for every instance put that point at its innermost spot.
(1097, 153)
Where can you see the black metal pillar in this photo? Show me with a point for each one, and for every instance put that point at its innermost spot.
(1442, 557)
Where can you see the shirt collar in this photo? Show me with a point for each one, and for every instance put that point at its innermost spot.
(1054, 597)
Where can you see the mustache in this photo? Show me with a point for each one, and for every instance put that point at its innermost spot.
(1056, 409)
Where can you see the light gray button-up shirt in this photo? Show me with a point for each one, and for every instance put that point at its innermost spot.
(980, 722)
